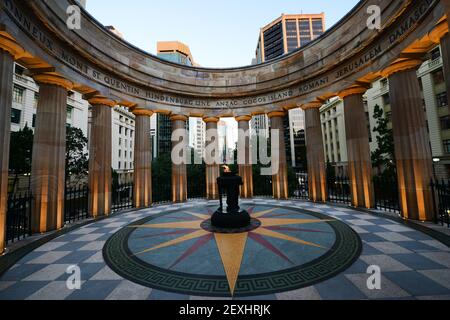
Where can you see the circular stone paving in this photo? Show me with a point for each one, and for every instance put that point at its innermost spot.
(285, 249)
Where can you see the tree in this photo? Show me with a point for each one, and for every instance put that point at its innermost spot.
(21, 150)
(77, 164)
(383, 157)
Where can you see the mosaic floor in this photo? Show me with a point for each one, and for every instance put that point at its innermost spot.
(294, 250)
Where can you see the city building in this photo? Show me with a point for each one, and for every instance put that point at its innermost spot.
(123, 128)
(176, 52)
(288, 33)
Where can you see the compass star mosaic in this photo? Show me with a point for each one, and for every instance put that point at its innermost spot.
(283, 249)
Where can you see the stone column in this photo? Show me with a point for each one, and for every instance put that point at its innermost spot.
(49, 154)
(8, 50)
(142, 159)
(358, 148)
(411, 140)
(179, 146)
(211, 157)
(279, 179)
(100, 153)
(244, 153)
(317, 180)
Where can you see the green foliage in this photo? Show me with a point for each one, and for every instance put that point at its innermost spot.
(77, 164)
(383, 157)
(21, 150)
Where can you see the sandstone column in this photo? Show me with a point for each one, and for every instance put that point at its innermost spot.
(245, 167)
(100, 149)
(279, 179)
(8, 50)
(358, 148)
(49, 153)
(411, 139)
(212, 161)
(179, 158)
(317, 181)
(142, 159)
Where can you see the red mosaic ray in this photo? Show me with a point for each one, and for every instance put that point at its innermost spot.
(260, 239)
(195, 247)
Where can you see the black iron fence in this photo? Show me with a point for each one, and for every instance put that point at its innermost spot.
(122, 197)
(161, 190)
(76, 203)
(196, 187)
(386, 194)
(339, 190)
(441, 201)
(18, 218)
(298, 188)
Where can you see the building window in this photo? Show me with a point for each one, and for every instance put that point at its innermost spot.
(15, 116)
(438, 77)
(69, 113)
(120, 141)
(442, 100)
(36, 99)
(120, 129)
(386, 99)
(435, 54)
(445, 123)
(120, 153)
(447, 146)
(33, 123)
(119, 165)
(18, 94)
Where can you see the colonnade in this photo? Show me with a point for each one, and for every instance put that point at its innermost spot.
(412, 148)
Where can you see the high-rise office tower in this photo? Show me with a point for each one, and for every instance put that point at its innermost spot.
(177, 52)
(288, 33)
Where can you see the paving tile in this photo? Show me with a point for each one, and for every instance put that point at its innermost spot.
(106, 274)
(393, 236)
(339, 288)
(49, 273)
(385, 262)
(6, 284)
(93, 246)
(388, 247)
(76, 257)
(436, 244)
(416, 262)
(441, 276)
(162, 295)
(89, 237)
(96, 258)
(94, 290)
(442, 258)
(309, 293)
(416, 246)
(56, 290)
(388, 288)
(396, 228)
(21, 272)
(360, 223)
(86, 230)
(50, 246)
(127, 290)
(435, 298)
(416, 284)
(21, 290)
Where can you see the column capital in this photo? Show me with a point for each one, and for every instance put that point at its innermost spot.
(244, 118)
(53, 79)
(99, 100)
(439, 31)
(353, 90)
(275, 114)
(142, 112)
(312, 105)
(178, 117)
(8, 44)
(401, 65)
(211, 119)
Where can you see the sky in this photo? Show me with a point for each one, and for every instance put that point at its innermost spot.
(220, 33)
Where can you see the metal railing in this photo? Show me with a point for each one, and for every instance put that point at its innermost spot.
(161, 191)
(339, 190)
(300, 190)
(18, 218)
(386, 194)
(441, 201)
(76, 203)
(122, 197)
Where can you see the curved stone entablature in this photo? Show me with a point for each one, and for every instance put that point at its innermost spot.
(100, 64)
